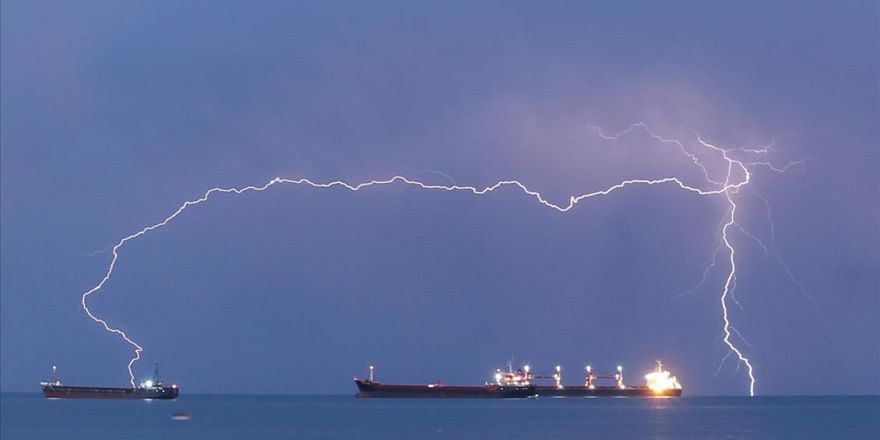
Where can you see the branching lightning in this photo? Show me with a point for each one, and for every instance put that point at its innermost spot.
(738, 175)
(755, 238)
(705, 275)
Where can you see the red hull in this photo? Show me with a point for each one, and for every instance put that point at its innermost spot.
(368, 388)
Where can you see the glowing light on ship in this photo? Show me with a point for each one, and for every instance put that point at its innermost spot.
(661, 380)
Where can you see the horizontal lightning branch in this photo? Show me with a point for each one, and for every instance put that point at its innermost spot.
(725, 189)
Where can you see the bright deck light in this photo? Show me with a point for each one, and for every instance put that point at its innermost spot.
(660, 381)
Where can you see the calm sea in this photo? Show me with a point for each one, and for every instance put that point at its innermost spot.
(213, 417)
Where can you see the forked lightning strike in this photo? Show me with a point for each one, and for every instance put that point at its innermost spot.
(727, 188)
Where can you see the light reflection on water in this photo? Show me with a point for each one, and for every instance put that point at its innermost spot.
(26, 416)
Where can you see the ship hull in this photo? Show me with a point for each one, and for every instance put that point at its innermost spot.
(69, 392)
(605, 391)
(368, 389)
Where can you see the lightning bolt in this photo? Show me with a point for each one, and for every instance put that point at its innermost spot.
(712, 262)
(755, 238)
(737, 176)
(705, 275)
(731, 276)
(644, 127)
(778, 257)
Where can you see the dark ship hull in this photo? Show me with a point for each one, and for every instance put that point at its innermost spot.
(368, 388)
(606, 391)
(52, 391)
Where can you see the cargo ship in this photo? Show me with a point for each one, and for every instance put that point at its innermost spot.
(522, 384)
(659, 383)
(148, 389)
(370, 388)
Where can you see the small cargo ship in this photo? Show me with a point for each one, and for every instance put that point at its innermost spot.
(370, 388)
(148, 389)
(659, 383)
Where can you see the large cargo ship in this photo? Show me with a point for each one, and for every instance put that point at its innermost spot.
(521, 384)
(149, 389)
(371, 388)
(659, 383)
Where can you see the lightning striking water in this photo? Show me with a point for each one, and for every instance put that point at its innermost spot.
(738, 175)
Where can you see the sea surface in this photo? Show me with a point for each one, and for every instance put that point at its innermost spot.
(216, 417)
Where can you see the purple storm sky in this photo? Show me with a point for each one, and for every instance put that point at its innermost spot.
(114, 113)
